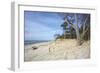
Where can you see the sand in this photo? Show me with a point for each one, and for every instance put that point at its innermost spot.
(66, 49)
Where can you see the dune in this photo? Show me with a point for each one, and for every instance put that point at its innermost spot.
(65, 49)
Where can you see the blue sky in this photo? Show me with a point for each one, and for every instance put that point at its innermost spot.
(41, 25)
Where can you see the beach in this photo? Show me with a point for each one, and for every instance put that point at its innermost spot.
(66, 49)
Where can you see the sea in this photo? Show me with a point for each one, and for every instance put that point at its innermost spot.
(29, 42)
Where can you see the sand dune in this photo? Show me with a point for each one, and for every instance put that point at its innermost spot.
(57, 50)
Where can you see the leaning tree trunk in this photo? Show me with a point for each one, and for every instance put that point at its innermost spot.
(78, 37)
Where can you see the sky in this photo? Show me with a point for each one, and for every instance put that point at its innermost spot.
(41, 25)
(44, 25)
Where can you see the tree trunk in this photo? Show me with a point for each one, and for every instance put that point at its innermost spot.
(78, 37)
(77, 30)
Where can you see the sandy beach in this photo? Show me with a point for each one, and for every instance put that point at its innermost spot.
(57, 50)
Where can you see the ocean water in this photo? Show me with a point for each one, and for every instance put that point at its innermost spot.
(29, 42)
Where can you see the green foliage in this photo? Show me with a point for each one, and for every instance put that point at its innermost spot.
(64, 25)
(59, 36)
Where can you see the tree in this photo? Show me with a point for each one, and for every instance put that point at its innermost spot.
(64, 26)
(77, 20)
(72, 33)
(57, 36)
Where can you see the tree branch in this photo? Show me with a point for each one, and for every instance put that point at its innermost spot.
(85, 23)
(84, 32)
(76, 19)
(70, 23)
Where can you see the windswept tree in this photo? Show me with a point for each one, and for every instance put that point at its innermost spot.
(64, 26)
(57, 36)
(78, 22)
(72, 33)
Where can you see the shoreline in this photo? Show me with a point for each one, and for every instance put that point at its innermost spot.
(37, 44)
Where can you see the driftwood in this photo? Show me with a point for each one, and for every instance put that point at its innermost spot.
(34, 47)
